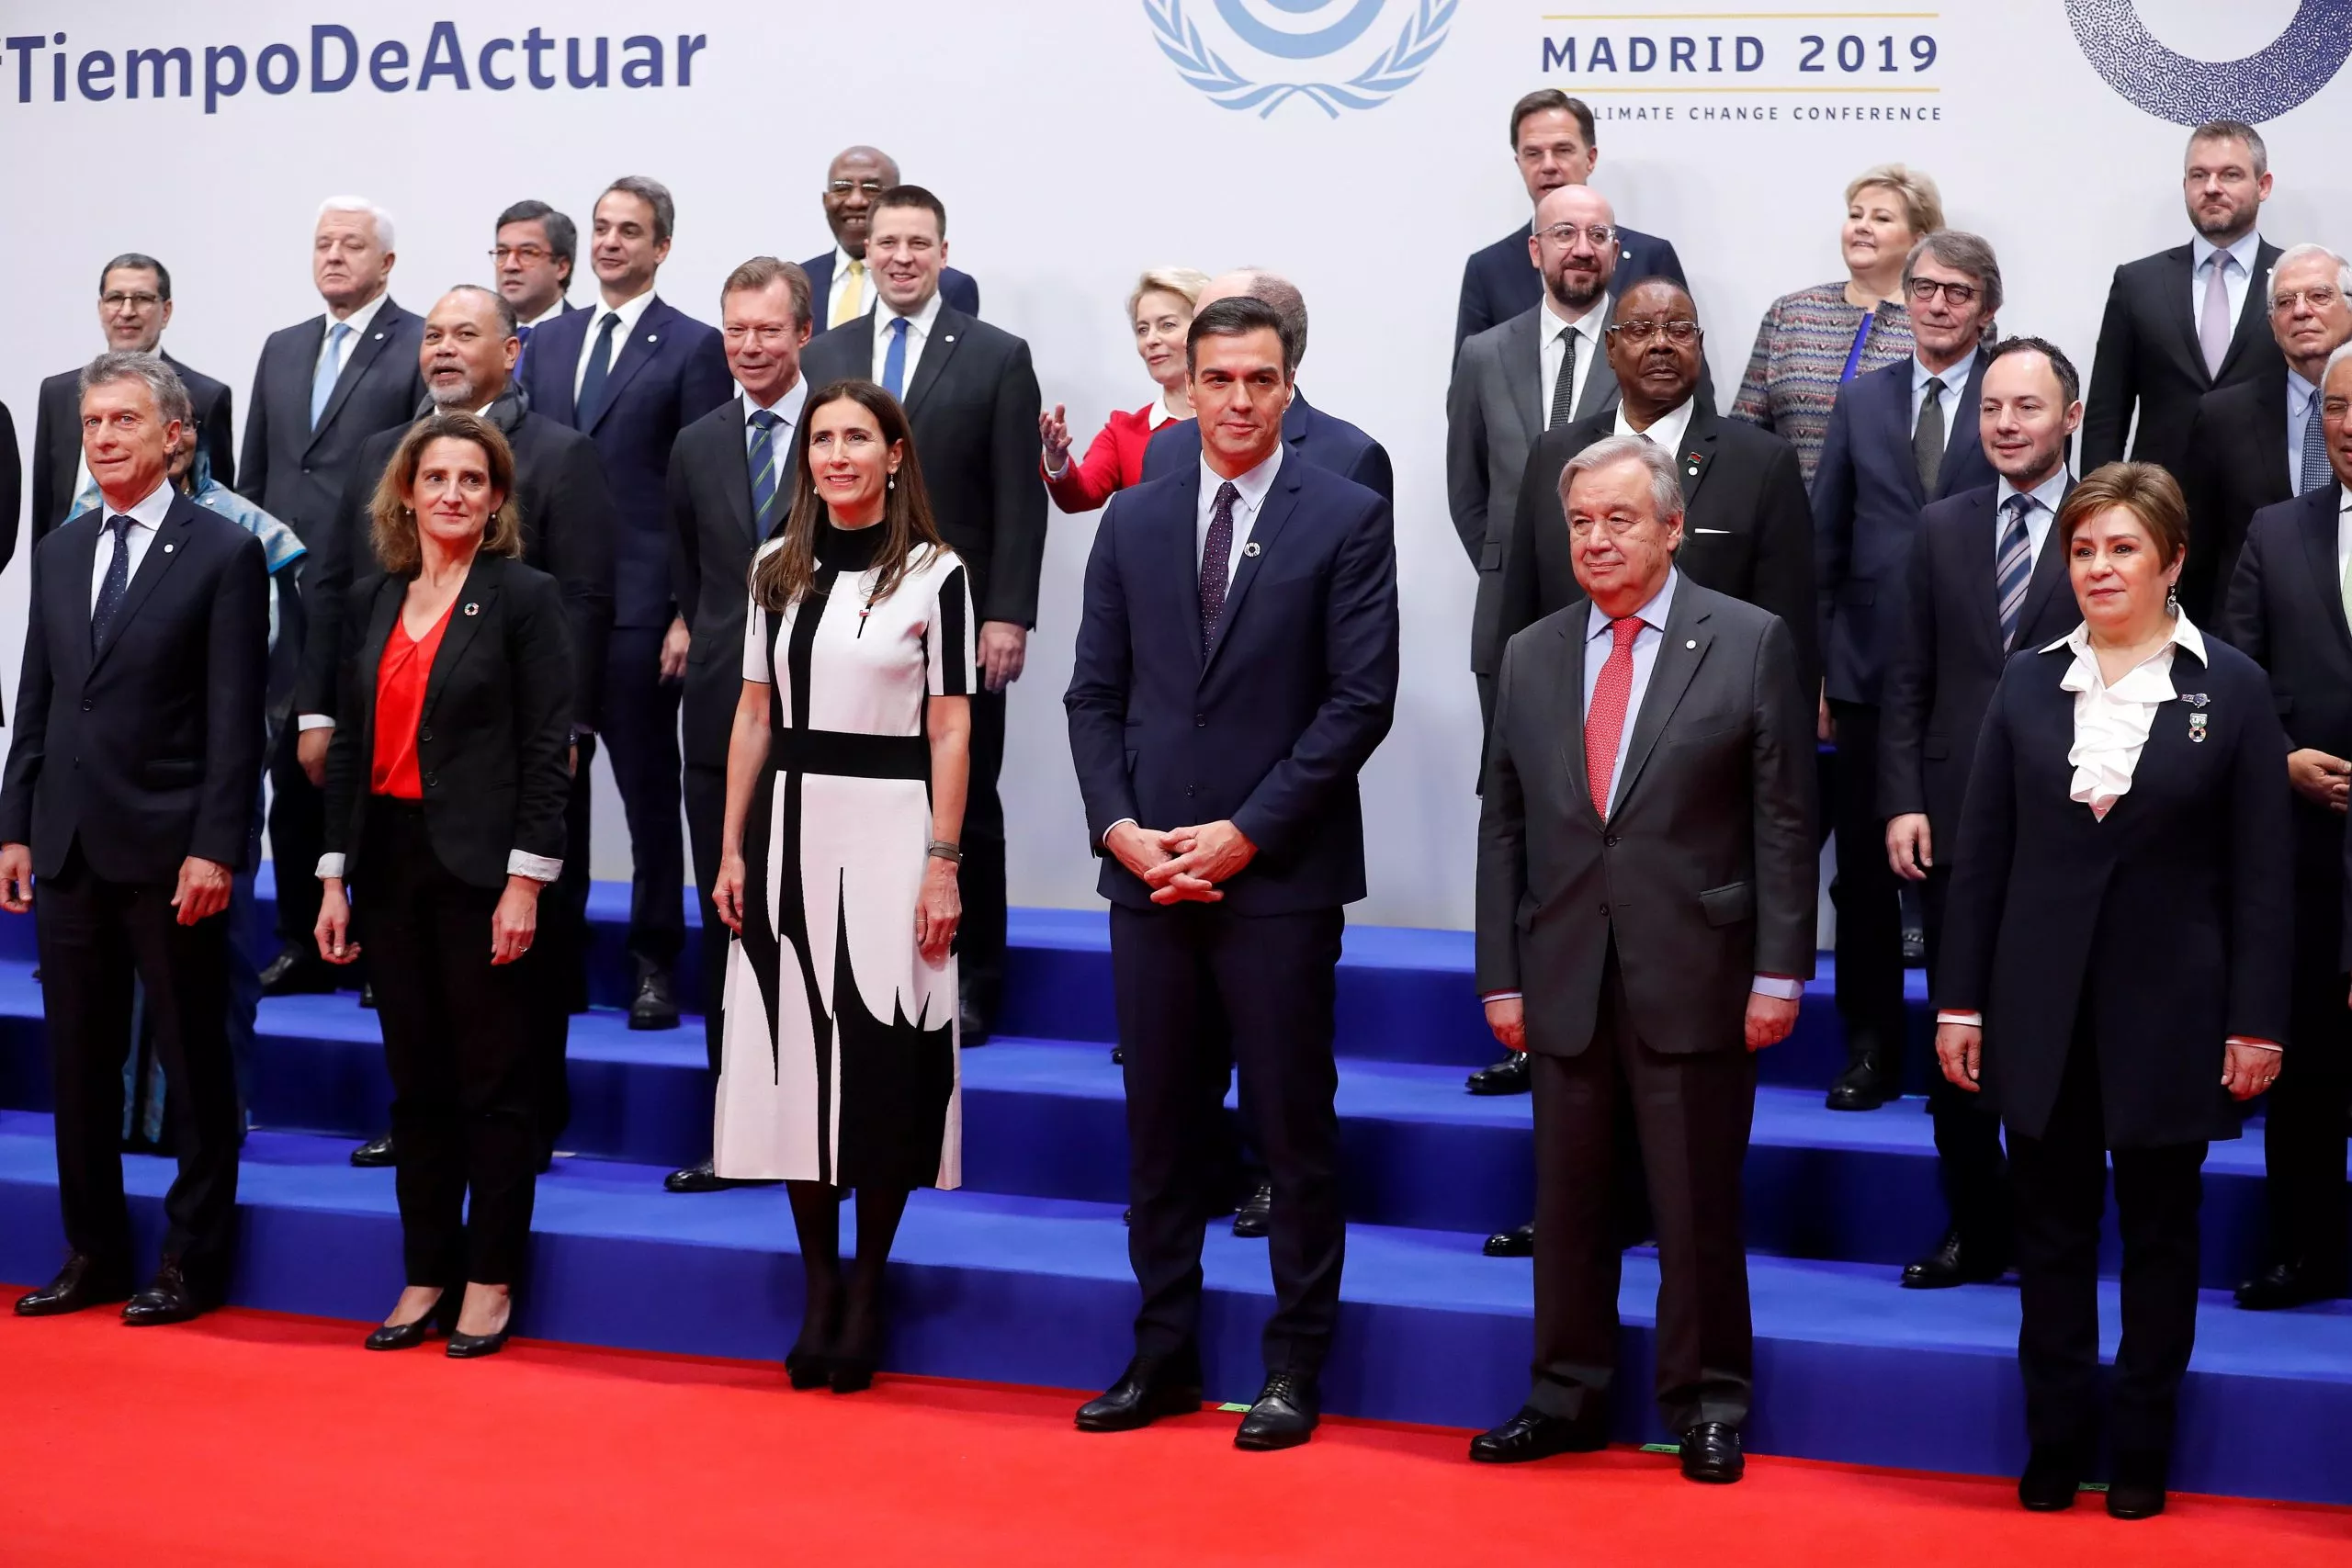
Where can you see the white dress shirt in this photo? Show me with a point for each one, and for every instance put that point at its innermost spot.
(630, 314)
(148, 517)
(1955, 380)
(859, 289)
(2344, 536)
(2237, 279)
(2038, 517)
(787, 411)
(918, 325)
(1553, 351)
(1666, 430)
(359, 321)
(1250, 490)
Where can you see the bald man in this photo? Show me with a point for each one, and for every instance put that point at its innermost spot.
(838, 281)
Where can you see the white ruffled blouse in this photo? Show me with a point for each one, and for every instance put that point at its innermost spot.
(2111, 723)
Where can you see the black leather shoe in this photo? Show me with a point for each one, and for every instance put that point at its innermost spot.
(1256, 1216)
(1516, 1242)
(1710, 1453)
(2284, 1285)
(2053, 1475)
(655, 1007)
(1866, 1084)
(1151, 1387)
(440, 1321)
(1507, 1077)
(2136, 1489)
(694, 1179)
(1284, 1417)
(296, 973)
(368, 994)
(1118, 1055)
(168, 1298)
(1531, 1434)
(974, 1027)
(85, 1281)
(375, 1153)
(1954, 1262)
(470, 1346)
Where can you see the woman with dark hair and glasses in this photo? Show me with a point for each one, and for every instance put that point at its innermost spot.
(846, 783)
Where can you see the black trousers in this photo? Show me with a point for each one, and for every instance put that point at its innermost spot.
(1969, 1166)
(979, 940)
(1276, 978)
(1690, 1114)
(640, 735)
(706, 818)
(95, 937)
(2061, 1181)
(560, 954)
(297, 827)
(1867, 895)
(460, 1039)
(2303, 1128)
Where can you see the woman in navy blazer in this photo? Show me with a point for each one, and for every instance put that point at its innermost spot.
(2115, 965)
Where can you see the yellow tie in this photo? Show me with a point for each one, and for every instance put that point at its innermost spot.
(853, 291)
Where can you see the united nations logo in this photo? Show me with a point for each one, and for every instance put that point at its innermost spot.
(2263, 86)
(1325, 30)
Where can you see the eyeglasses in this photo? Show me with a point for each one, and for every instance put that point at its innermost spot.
(1643, 331)
(529, 255)
(1957, 295)
(2318, 299)
(1601, 235)
(117, 299)
(842, 187)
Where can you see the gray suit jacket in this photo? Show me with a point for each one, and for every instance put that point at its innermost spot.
(1704, 874)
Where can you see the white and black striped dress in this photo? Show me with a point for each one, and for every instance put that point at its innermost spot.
(839, 1063)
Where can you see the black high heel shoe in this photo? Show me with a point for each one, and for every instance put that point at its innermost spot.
(809, 1363)
(442, 1319)
(468, 1346)
(859, 1350)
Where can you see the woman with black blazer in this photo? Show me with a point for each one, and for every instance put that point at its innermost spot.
(2115, 965)
(445, 795)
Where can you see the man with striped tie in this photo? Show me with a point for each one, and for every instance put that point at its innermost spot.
(1979, 586)
(731, 476)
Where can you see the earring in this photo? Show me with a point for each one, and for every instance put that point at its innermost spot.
(891, 482)
(2172, 600)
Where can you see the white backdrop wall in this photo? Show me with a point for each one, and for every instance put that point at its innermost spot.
(1072, 151)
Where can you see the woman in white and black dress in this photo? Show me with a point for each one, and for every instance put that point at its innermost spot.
(846, 783)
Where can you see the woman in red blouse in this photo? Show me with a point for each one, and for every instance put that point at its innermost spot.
(1160, 310)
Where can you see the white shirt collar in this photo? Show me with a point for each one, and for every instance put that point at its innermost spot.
(2343, 501)
(785, 408)
(842, 261)
(1954, 376)
(2049, 492)
(151, 511)
(550, 313)
(1667, 430)
(1159, 414)
(1652, 614)
(630, 312)
(2184, 635)
(2299, 392)
(359, 321)
(1252, 484)
(1587, 326)
(918, 322)
(2247, 250)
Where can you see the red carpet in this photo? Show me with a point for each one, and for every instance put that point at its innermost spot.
(257, 1441)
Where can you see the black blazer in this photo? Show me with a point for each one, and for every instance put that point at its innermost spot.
(1272, 726)
(296, 473)
(2149, 361)
(1499, 281)
(2285, 613)
(57, 444)
(1309, 434)
(958, 289)
(1866, 505)
(671, 372)
(11, 485)
(973, 404)
(1747, 533)
(492, 738)
(2165, 927)
(568, 526)
(712, 541)
(1946, 656)
(156, 742)
(2233, 466)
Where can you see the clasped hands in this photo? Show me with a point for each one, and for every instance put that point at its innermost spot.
(1182, 864)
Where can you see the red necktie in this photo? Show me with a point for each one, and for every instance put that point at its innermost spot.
(1605, 720)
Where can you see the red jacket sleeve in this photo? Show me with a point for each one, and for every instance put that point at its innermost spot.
(1113, 460)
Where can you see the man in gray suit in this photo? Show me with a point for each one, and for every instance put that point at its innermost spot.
(1512, 382)
(1645, 924)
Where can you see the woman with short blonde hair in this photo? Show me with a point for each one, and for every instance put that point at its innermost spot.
(1159, 311)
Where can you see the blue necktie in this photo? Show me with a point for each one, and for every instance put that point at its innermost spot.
(600, 364)
(117, 584)
(330, 366)
(2316, 472)
(762, 456)
(894, 363)
(2014, 570)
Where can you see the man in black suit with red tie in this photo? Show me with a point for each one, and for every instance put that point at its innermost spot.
(1985, 579)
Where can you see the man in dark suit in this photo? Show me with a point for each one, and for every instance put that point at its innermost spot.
(2257, 442)
(533, 259)
(2183, 322)
(2286, 611)
(468, 354)
(1551, 138)
(1309, 434)
(1653, 739)
(841, 284)
(1899, 438)
(145, 657)
(1985, 579)
(134, 307)
(1217, 737)
(322, 388)
(630, 374)
(731, 482)
(971, 397)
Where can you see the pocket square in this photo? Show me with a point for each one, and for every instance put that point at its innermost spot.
(1724, 531)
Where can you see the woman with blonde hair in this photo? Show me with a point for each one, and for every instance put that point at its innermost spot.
(1159, 310)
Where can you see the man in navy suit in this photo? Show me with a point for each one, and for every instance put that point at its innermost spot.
(1309, 434)
(1235, 668)
(630, 374)
(1552, 137)
(840, 282)
(1898, 438)
(533, 259)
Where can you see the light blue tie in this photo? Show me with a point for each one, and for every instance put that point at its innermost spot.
(330, 366)
(2014, 571)
(894, 363)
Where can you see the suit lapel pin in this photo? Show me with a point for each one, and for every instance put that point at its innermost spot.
(654, 337)
(1692, 643)
(948, 338)
(2195, 699)
(1250, 548)
(167, 549)
(2197, 725)
(379, 337)
(472, 608)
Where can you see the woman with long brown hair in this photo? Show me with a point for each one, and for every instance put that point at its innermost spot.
(845, 782)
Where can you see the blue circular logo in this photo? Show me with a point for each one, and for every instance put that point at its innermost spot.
(1315, 30)
(2172, 86)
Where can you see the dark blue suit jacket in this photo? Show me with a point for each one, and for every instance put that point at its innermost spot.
(957, 288)
(1866, 505)
(1325, 440)
(1500, 282)
(528, 332)
(671, 371)
(1272, 725)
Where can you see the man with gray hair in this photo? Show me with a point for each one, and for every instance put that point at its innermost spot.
(322, 387)
(1644, 926)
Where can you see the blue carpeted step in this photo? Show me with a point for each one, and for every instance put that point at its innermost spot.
(1036, 1290)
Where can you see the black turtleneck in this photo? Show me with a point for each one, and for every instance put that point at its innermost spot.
(848, 549)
